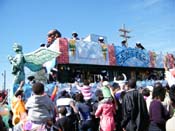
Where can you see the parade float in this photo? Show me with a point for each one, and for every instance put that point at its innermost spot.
(87, 59)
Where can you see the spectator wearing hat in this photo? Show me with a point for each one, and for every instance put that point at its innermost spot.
(106, 112)
(106, 90)
(106, 109)
(75, 36)
(108, 94)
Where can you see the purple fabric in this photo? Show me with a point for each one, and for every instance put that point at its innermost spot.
(28, 125)
(117, 95)
(158, 114)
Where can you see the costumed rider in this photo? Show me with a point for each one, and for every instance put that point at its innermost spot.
(139, 46)
(124, 43)
(75, 36)
(101, 40)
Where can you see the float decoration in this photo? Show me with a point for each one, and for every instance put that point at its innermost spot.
(152, 58)
(169, 60)
(39, 57)
(104, 50)
(72, 46)
(34, 61)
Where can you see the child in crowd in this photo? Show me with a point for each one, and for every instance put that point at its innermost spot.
(63, 123)
(106, 91)
(108, 94)
(106, 109)
(106, 112)
(39, 105)
(40, 109)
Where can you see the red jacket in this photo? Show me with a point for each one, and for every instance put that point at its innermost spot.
(106, 113)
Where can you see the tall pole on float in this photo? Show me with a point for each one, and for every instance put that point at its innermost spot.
(124, 35)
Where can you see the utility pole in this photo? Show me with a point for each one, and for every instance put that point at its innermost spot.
(124, 35)
(4, 79)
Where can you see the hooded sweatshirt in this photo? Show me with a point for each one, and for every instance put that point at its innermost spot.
(40, 108)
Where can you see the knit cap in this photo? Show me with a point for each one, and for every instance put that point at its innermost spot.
(106, 90)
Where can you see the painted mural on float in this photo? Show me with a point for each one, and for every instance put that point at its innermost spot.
(85, 52)
(132, 57)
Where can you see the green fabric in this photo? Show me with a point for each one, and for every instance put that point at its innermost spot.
(5, 118)
(106, 92)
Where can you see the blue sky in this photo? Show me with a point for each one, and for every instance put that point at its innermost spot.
(152, 22)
